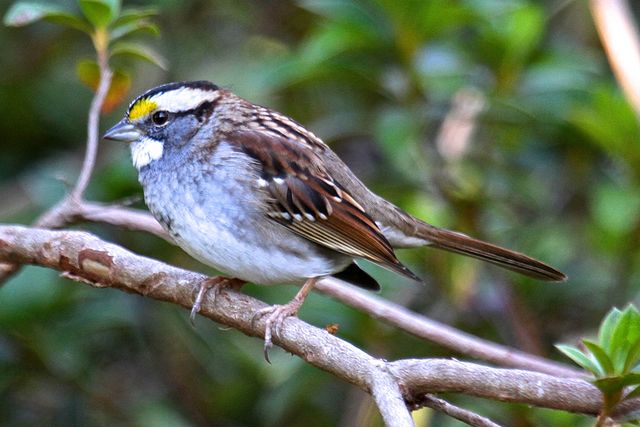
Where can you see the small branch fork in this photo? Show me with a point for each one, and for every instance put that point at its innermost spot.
(61, 214)
(85, 258)
(73, 204)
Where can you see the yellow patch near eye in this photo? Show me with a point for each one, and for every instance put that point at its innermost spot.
(142, 108)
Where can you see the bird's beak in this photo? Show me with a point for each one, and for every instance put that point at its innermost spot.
(123, 131)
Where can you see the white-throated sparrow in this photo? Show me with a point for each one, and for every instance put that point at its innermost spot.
(254, 194)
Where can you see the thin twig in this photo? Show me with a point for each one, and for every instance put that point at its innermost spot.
(93, 125)
(461, 414)
(122, 217)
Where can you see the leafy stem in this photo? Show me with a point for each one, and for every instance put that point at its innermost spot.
(614, 360)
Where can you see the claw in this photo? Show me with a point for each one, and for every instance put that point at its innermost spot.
(275, 317)
(277, 314)
(217, 283)
(267, 345)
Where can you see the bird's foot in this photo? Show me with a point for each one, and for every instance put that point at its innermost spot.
(275, 317)
(218, 284)
(277, 314)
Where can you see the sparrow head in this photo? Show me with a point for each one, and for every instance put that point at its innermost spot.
(165, 117)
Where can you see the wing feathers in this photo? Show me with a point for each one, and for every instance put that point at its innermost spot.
(307, 200)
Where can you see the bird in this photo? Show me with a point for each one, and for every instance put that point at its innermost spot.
(257, 196)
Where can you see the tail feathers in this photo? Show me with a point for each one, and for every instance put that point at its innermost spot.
(505, 258)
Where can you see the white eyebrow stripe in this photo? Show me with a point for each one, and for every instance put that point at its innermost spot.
(183, 99)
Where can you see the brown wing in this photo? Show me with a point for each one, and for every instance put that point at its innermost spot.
(310, 203)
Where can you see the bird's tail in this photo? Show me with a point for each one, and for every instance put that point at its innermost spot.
(460, 243)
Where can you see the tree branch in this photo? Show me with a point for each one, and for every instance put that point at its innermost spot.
(422, 376)
(387, 311)
(83, 257)
(388, 397)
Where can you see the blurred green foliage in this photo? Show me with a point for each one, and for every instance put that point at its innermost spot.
(551, 170)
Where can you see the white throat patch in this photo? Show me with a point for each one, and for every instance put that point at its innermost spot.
(145, 151)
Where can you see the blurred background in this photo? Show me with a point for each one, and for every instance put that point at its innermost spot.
(500, 119)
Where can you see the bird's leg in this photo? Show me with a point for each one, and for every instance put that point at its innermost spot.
(276, 314)
(217, 283)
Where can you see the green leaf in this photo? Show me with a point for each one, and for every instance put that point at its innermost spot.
(581, 359)
(601, 356)
(625, 336)
(606, 329)
(100, 12)
(633, 357)
(138, 51)
(25, 12)
(123, 30)
(129, 15)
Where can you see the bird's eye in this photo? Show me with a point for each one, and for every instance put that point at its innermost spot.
(160, 118)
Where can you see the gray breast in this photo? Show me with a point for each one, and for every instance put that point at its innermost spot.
(215, 210)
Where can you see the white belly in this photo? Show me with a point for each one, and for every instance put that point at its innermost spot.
(254, 258)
